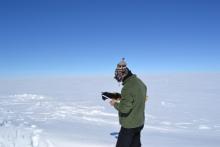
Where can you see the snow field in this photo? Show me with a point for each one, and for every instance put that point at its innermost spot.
(182, 110)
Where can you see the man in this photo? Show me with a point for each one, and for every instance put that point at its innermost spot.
(131, 106)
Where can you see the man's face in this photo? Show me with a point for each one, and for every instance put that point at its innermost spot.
(119, 72)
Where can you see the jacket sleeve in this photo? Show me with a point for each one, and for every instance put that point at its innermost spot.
(126, 104)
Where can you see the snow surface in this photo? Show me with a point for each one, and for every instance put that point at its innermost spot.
(182, 110)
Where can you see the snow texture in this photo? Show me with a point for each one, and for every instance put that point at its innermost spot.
(182, 110)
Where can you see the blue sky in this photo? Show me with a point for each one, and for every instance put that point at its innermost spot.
(56, 37)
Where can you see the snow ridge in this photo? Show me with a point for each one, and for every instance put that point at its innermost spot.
(22, 135)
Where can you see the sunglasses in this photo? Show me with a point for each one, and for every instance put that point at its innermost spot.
(121, 66)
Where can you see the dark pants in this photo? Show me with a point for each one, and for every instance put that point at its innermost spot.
(129, 137)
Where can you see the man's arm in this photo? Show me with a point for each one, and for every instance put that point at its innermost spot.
(126, 104)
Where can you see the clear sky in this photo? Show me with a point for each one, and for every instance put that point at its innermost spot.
(44, 37)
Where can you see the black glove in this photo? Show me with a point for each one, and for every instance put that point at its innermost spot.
(109, 95)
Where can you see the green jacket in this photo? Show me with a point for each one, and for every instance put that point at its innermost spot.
(132, 105)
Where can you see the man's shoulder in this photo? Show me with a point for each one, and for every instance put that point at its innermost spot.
(132, 82)
(135, 80)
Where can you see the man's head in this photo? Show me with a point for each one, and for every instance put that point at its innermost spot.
(121, 70)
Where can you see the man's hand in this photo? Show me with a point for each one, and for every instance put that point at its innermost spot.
(112, 102)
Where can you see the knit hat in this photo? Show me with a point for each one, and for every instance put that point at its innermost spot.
(122, 63)
(121, 70)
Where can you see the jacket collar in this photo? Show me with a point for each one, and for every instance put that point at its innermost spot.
(128, 79)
